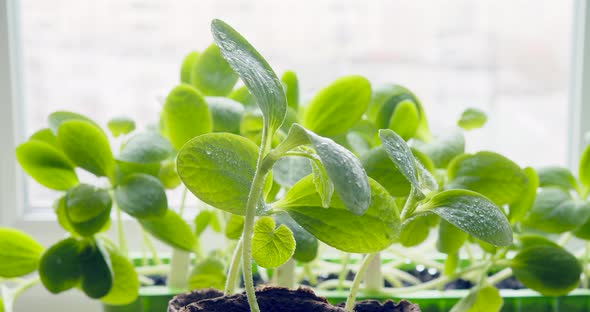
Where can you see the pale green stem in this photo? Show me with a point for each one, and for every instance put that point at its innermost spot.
(121, 233)
(309, 273)
(357, 281)
(500, 276)
(344, 270)
(234, 268)
(180, 260)
(153, 269)
(182, 201)
(286, 274)
(417, 259)
(9, 295)
(393, 280)
(564, 238)
(374, 276)
(402, 275)
(150, 246)
(410, 205)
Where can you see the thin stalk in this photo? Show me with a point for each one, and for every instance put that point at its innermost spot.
(374, 276)
(409, 206)
(343, 270)
(151, 248)
(180, 260)
(417, 259)
(500, 276)
(564, 238)
(182, 201)
(121, 233)
(286, 274)
(9, 295)
(234, 268)
(393, 280)
(253, 199)
(309, 273)
(357, 281)
(153, 269)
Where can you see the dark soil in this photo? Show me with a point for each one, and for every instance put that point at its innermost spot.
(277, 299)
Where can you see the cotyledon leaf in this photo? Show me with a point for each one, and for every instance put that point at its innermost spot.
(211, 74)
(257, 75)
(271, 247)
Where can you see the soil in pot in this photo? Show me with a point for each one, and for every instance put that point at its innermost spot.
(278, 299)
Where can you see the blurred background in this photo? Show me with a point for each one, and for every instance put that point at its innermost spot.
(509, 58)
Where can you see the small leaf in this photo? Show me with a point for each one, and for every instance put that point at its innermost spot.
(520, 207)
(254, 71)
(125, 287)
(97, 278)
(186, 68)
(46, 165)
(234, 227)
(142, 196)
(557, 177)
(208, 273)
(584, 167)
(306, 245)
(554, 211)
(59, 268)
(338, 107)
(219, 168)
(87, 146)
(323, 185)
(472, 118)
(226, 114)
(121, 125)
(87, 208)
(473, 214)
(168, 175)
(338, 227)
(19, 253)
(243, 96)
(288, 170)
(45, 136)
(550, 270)
(146, 148)
(211, 74)
(405, 119)
(185, 115)
(450, 238)
(170, 229)
(414, 231)
(444, 148)
(490, 174)
(57, 118)
(379, 167)
(401, 155)
(485, 299)
(271, 247)
(292, 85)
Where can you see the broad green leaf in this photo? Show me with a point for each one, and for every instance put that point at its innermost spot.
(208, 273)
(142, 196)
(125, 287)
(306, 245)
(271, 247)
(226, 114)
(338, 106)
(405, 119)
(57, 118)
(472, 118)
(379, 167)
(254, 71)
(550, 270)
(243, 96)
(186, 68)
(557, 177)
(1, 305)
(185, 115)
(444, 148)
(59, 268)
(146, 148)
(96, 279)
(234, 227)
(168, 175)
(170, 229)
(336, 226)
(485, 299)
(121, 125)
(384, 102)
(19, 253)
(323, 185)
(450, 238)
(46, 165)
(46, 136)
(218, 168)
(584, 167)
(472, 213)
(490, 174)
(414, 231)
(401, 155)
(523, 204)
(211, 74)
(288, 170)
(88, 208)
(533, 240)
(87, 146)
(291, 83)
(554, 211)
(59, 207)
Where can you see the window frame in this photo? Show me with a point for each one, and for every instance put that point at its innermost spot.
(13, 202)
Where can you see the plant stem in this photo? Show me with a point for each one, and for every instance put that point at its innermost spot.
(344, 270)
(148, 242)
(417, 259)
(182, 201)
(564, 238)
(374, 276)
(121, 233)
(357, 281)
(500, 276)
(234, 268)
(9, 296)
(286, 274)
(409, 206)
(180, 260)
(309, 273)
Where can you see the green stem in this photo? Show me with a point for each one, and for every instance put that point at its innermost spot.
(286, 274)
(409, 206)
(121, 233)
(234, 268)
(182, 201)
(500, 276)
(148, 242)
(28, 284)
(309, 273)
(343, 271)
(180, 260)
(357, 281)
(374, 276)
(564, 238)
